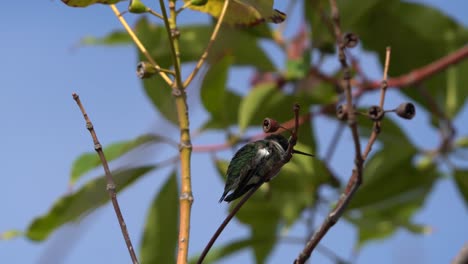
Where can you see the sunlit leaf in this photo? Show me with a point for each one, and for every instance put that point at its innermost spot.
(72, 207)
(242, 12)
(85, 3)
(88, 161)
(160, 236)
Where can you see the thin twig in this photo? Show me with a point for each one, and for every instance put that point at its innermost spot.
(351, 188)
(208, 47)
(405, 80)
(384, 84)
(111, 187)
(140, 45)
(287, 157)
(154, 13)
(356, 177)
(217, 147)
(383, 88)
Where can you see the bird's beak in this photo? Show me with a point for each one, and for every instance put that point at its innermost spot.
(302, 153)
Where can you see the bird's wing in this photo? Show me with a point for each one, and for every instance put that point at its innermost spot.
(250, 158)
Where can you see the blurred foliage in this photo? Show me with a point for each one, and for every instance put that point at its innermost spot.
(395, 186)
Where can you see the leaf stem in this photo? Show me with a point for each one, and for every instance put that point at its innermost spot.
(208, 47)
(138, 43)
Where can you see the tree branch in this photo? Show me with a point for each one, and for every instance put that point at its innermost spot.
(111, 187)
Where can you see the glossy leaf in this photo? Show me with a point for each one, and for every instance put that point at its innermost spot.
(76, 205)
(242, 12)
(461, 179)
(85, 3)
(216, 98)
(160, 236)
(88, 161)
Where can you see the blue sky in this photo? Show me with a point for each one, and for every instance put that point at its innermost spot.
(43, 132)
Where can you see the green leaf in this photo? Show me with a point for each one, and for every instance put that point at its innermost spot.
(265, 100)
(160, 236)
(242, 12)
(415, 31)
(10, 234)
(216, 254)
(193, 41)
(216, 98)
(88, 161)
(87, 199)
(160, 95)
(462, 142)
(85, 3)
(322, 37)
(111, 39)
(393, 190)
(461, 178)
(392, 135)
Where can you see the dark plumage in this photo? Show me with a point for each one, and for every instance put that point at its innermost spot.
(251, 163)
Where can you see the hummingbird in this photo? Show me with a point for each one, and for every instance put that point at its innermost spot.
(252, 163)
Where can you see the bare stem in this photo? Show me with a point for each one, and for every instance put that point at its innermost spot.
(356, 176)
(353, 184)
(111, 187)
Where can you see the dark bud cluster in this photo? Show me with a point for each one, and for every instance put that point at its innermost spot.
(376, 114)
